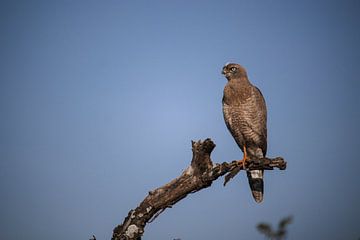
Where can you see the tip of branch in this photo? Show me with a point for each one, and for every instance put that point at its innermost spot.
(280, 162)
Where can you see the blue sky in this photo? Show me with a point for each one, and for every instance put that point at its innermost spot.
(99, 102)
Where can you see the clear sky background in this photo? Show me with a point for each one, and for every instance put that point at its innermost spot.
(99, 102)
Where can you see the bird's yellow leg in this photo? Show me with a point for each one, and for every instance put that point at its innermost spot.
(242, 161)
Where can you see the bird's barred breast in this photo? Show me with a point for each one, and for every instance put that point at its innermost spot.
(243, 118)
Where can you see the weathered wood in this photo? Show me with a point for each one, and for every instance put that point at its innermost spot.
(199, 175)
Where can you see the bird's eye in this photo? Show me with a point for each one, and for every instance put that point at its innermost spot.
(233, 69)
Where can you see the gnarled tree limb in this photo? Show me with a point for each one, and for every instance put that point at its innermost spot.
(199, 175)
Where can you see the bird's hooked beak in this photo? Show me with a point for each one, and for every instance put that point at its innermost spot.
(225, 73)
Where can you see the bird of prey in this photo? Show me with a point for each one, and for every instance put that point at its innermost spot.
(245, 116)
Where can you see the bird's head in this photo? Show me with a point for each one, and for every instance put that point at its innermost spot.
(234, 71)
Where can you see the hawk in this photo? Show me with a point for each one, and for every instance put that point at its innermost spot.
(245, 116)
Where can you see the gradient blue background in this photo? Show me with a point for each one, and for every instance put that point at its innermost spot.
(100, 100)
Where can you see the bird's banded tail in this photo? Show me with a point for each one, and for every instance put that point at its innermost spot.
(256, 182)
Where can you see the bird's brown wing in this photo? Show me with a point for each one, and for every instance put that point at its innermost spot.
(259, 126)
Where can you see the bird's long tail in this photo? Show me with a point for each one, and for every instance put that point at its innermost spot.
(256, 182)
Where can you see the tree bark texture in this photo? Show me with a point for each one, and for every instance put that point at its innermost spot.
(199, 175)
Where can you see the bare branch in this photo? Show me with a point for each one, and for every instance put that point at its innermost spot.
(199, 175)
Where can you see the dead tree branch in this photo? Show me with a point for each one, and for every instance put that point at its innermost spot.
(199, 175)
